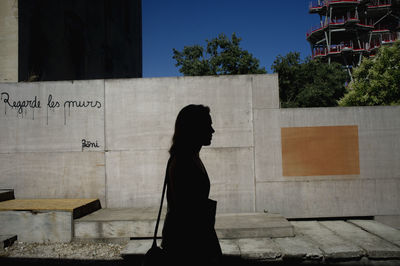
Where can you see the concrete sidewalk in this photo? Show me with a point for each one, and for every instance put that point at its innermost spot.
(352, 242)
(251, 238)
(121, 224)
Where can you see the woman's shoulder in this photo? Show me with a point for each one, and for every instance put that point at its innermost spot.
(181, 162)
(182, 157)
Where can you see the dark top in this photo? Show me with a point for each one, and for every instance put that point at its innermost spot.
(188, 184)
(189, 223)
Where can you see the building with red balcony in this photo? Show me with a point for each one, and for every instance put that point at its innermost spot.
(352, 29)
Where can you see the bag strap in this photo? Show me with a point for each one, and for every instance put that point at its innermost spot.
(159, 211)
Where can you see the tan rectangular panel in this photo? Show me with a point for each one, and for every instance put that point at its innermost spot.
(327, 150)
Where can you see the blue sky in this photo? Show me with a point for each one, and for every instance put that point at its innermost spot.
(267, 28)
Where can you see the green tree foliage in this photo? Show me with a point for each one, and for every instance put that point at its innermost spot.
(376, 81)
(221, 56)
(309, 83)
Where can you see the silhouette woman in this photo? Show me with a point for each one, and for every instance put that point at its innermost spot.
(189, 236)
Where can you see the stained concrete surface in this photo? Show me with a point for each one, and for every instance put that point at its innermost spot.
(43, 220)
(122, 223)
(49, 226)
(252, 225)
(315, 242)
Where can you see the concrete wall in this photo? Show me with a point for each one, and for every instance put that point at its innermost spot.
(9, 40)
(140, 117)
(40, 227)
(129, 124)
(41, 144)
(375, 191)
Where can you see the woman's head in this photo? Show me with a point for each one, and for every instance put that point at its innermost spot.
(193, 129)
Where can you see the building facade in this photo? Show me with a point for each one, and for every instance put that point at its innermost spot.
(51, 40)
(352, 29)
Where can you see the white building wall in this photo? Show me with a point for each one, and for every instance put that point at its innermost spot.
(127, 125)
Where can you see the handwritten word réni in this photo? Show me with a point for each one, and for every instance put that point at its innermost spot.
(89, 144)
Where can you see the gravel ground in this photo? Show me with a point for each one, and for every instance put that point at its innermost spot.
(73, 250)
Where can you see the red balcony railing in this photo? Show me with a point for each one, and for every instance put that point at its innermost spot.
(379, 3)
(338, 48)
(320, 4)
(341, 21)
(389, 38)
(385, 39)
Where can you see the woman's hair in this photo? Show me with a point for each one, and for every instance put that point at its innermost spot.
(190, 119)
